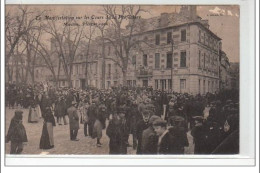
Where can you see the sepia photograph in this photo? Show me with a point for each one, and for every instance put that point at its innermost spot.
(122, 79)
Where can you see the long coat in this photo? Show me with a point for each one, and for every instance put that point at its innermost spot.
(141, 126)
(118, 132)
(149, 141)
(165, 146)
(199, 139)
(60, 108)
(180, 140)
(16, 131)
(73, 118)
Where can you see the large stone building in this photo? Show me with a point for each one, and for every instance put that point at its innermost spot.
(234, 74)
(190, 64)
(180, 54)
(224, 72)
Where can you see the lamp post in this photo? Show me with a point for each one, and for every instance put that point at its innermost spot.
(172, 64)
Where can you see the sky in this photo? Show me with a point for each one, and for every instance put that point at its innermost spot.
(223, 20)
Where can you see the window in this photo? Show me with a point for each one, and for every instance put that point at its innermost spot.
(169, 84)
(115, 83)
(109, 49)
(77, 83)
(204, 86)
(37, 73)
(134, 61)
(169, 37)
(108, 84)
(145, 60)
(208, 86)
(199, 59)
(199, 86)
(156, 84)
(199, 35)
(183, 35)
(134, 82)
(163, 84)
(157, 39)
(157, 60)
(204, 59)
(183, 59)
(109, 70)
(145, 83)
(183, 83)
(83, 69)
(169, 60)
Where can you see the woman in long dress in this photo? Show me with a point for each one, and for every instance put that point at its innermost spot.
(33, 115)
(47, 141)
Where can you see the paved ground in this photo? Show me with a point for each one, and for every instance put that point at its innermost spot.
(62, 143)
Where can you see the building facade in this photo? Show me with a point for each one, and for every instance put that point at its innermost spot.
(182, 56)
(178, 52)
(224, 72)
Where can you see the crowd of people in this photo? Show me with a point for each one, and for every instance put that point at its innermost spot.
(157, 121)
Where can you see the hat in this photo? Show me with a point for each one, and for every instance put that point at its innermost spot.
(18, 112)
(153, 118)
(160, 122)
(198, 118)
(177, 118)
(73, 102)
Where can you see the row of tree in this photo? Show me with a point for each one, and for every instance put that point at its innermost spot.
(28, 41)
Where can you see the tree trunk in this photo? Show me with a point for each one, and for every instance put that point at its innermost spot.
(124, 77)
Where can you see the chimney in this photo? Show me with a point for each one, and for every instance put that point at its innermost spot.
(189, 11)
(193, 12)
(164, 19)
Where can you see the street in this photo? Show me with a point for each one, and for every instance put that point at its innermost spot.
(62, 142)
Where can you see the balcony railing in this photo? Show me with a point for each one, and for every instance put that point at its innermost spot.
(142, 72)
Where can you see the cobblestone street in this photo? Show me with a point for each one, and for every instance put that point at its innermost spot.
(63, 145)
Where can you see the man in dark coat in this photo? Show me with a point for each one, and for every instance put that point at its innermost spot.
(92, 114)
(149, 138)
(118, 132)
(178, 132)
(16, 133)
(199, 136)
(141, 126)
(73, 121)
(165, 139)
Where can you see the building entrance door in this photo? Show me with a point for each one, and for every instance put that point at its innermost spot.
(83, 83)
(145, 83)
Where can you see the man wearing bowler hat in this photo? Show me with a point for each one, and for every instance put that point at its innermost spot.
(74, 121)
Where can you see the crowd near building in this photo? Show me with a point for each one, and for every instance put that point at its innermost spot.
(181, 54)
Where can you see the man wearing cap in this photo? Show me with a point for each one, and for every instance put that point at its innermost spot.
(73, 121)
(149, 138)
(16, 133)
(165, 139)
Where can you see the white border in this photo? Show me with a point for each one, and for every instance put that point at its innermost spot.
(247, 105)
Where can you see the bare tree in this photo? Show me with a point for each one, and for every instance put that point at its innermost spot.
(122, 39)
(66, 39)
(17, 26)
(89, 37)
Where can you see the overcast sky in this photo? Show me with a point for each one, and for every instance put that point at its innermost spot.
(223, 20)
